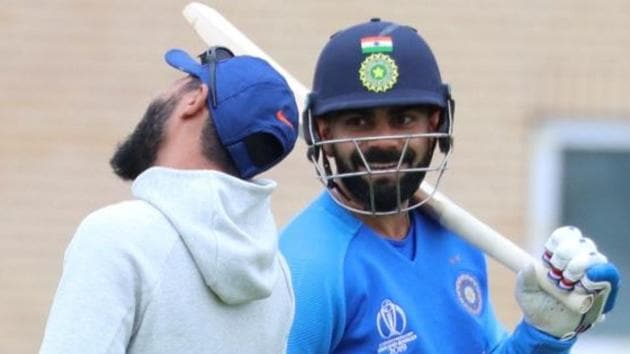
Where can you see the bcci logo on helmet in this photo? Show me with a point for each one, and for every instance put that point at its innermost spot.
(378, 72)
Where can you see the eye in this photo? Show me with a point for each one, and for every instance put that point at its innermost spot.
(405, 119)
(355, 121)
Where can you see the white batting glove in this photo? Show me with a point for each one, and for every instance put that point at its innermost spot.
(574, 264)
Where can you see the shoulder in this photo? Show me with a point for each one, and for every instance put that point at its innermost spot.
(446, 239)
(129, 226)
(321, 232)
(315, 245)
(125, 214)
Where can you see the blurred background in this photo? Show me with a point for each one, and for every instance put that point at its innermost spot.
(542, 129)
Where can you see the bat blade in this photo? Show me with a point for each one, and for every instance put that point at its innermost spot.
(214, 29)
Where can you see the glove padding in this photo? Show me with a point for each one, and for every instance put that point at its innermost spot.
(574, 264)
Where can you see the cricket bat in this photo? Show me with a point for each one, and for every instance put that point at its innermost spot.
(215, 30)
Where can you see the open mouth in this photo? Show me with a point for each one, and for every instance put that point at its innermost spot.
(383, 166)
(381, 161)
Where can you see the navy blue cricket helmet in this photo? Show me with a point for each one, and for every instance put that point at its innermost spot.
(376, 64)
(414, 79)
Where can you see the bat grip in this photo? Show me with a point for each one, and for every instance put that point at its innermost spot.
(576, 302)
(497, 246)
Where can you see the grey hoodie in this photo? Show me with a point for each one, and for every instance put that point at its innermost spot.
(190, 266)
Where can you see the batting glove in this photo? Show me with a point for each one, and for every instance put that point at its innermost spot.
(574, 264)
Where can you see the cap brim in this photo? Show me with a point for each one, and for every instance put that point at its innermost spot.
(181, 60)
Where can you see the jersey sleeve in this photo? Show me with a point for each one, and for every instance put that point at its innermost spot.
(528, 340)
(319, 308)
(99, 292)
(315, 251)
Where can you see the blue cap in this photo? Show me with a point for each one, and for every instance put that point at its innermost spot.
(255, 113)
(343, 78)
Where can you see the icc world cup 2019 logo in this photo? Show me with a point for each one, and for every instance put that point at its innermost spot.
(391, 323)
(391, 320)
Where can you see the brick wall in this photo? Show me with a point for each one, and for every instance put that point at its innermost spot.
(77, 76)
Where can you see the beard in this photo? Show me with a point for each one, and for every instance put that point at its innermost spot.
(385, 186)
(139, 150)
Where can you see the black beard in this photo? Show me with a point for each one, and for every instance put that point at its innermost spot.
(385, 190)
(139, 150)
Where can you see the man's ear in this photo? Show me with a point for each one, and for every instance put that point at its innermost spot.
(195, 101)
(434, 120)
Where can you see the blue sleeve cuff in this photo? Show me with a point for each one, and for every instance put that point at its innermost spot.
(535, 341)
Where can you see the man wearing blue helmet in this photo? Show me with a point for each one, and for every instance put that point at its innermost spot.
(191, 264)
(371, 272)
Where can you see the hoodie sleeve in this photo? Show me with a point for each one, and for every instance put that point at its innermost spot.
(101, 289)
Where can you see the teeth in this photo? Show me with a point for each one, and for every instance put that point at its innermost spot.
(383, 166)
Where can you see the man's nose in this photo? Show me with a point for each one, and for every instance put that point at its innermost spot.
(383, 129)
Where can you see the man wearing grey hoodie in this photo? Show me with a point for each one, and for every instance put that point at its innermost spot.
(191, 264)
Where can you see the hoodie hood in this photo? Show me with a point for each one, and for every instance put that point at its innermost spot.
(225, 222)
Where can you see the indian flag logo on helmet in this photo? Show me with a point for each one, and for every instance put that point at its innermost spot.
(377, 44)
(378, 72)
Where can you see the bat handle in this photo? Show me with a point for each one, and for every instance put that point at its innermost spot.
(576, 302)
(495, 245)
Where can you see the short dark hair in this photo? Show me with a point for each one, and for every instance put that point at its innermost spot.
(214, 150)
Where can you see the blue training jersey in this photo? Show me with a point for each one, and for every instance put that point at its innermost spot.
(356, 293)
